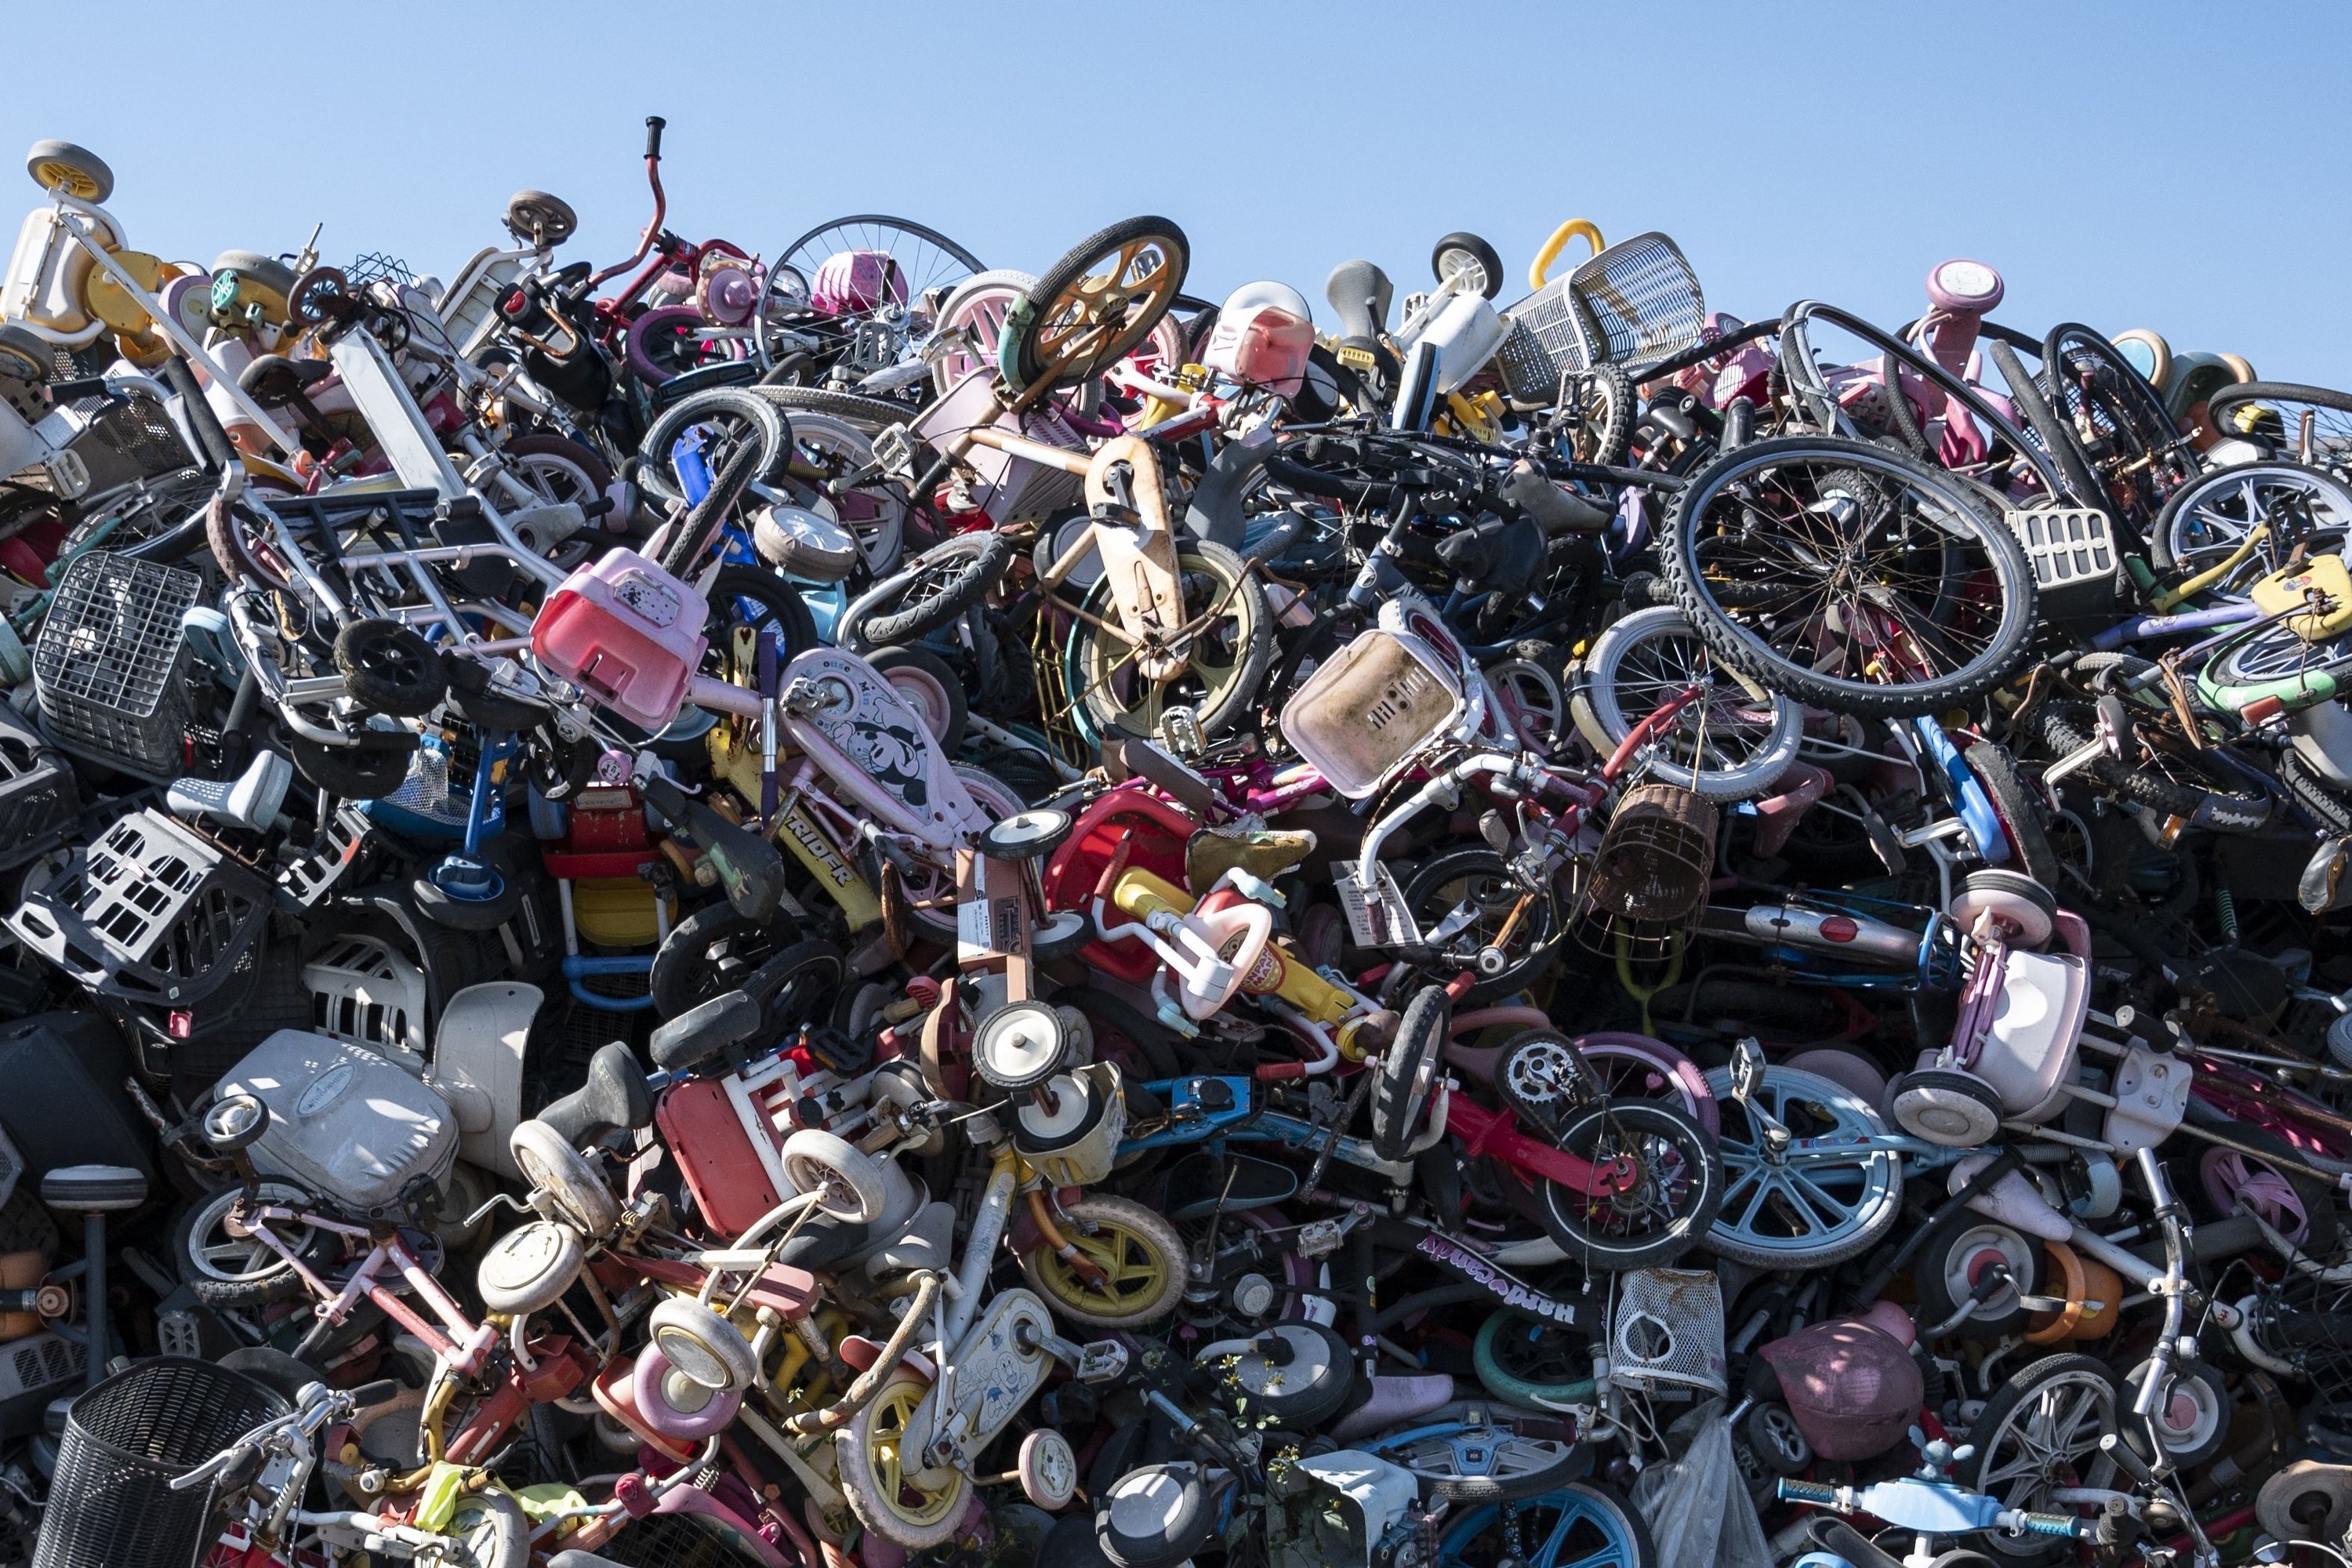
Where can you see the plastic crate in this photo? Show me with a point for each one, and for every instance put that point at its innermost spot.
(110, 665)
(110, 1503)
(149, 913)
(2072, 551)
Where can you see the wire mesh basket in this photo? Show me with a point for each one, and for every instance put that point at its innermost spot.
(149, 913)
(1665, 1332)
(376, 263)
(1648, 880)
(676, 1541)
(1636, 304)
(110, 1503)
(110, 665)
(128, 439)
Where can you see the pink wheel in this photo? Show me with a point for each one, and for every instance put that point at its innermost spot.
(2229, 1176)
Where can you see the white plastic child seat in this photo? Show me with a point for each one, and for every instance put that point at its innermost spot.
(250, 801)
(46, 290)
(365, 995)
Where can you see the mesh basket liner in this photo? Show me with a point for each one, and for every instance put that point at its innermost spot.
(1667, 1329)
(111, 1504)
(1635, 304)
(149, 913)
(110, 665)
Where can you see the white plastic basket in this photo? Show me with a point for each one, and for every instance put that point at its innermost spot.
(1370, 708)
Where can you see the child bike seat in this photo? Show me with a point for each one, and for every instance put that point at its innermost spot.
(615, 1096)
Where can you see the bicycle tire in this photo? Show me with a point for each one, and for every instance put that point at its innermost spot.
(1605, 723)
(1538, 926)
(2019, 812)
(1689, 1222)
(2028, 1388)
(2168, 536)
(1408, 1072)
(764, 418)
(2042, 423)
(1034, 314)
(2334, 436)
(684, 973)
(2307, 789)
(2067, 728)
(780, 602)
(594, 474)
(856, 408)
(1486, 1359)
(2147, 444)
(1250, 644)
(1858, 468)
(968, 567)
(389, 668)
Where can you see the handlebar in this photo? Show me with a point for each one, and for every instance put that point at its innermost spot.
(653, 124)
(1813, 1492)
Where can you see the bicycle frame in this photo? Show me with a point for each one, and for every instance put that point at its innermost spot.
(466, 1346)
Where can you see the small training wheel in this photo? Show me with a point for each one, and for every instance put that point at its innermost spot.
(1027, 836)
(63, 169)
(2013, 900)
(1020, 1046)
(1048, 1470)
(235, 1123)
(1946, 1106)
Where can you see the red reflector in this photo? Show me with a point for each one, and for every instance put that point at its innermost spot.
(1838, 928)
(182, 1024)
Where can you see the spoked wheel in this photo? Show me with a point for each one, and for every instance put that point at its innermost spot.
(2117, 420)
(2209, 519)
(1139, 1252)
(1093, 307)
(1675, 1190)
(878, 1478)
(927, 259)
(2039, 1433)
(1849, 576)
(1635, 1067)
(2290, 420)
(1474, 915)
(976, 309)
(1596, 413)
(1823, 1198)
(1533, 1361)
(1582, 1525)
(1529, 694)
(1220, 654)
(556, 470)
(1728, 744)
(825, 447)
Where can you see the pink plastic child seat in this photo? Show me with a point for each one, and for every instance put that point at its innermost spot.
(1264, 345)
(625, 632)
(849, 281)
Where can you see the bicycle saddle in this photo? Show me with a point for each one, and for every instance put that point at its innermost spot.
(702, 1032)
(614, 1096)
(1496, 554)
(1556, 510)
(824, 1244)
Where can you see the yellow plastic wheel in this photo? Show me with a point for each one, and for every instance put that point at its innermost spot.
(881, 1493)
(1140, 1254)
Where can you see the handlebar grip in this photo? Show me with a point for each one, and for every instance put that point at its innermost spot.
(382, 1391)
(1807, 1491)
(654, 123)
(2127, 1458)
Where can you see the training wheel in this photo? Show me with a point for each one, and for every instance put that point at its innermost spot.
(1049, 1470)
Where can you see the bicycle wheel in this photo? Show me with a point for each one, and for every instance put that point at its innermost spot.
(1533, 1362)
(228, 1270)
(1729, 746)
(754, 598)
(727, 418)
(1849, 576)
(1220, 655)
(2053, 435)
(2118, 420)
(926, 594)
(2209, 519)
(2039, 1433)
(825, 447)
(1096, 304)
(1139, 1252)
(2019, 809)
(709, 952)
(878, 1480)
(557, 469)
(977, 309)
(1596, 414)
(1528, 693)
(927, 259)
(1462, 901)
(1675, 1194)
(1480, 1461)
(2276, 413)
(1585, 1524)
(1832, 1195)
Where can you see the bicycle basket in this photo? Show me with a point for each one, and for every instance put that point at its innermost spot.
(1649, 876)
(111, 666)
(149, 913)
(365, 993)
(1636, 304)
(1371, 708)
(128, 440)
(1666, 1330)
(676, 1541)
(39, 803)
(110, 1503)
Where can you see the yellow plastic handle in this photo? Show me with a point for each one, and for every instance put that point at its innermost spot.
(1573, 229)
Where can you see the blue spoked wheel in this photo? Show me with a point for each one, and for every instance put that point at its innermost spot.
(1582, 1525)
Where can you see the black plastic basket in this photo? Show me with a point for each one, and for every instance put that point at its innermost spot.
(675, 1541)
(110, 665)
(38, 800)
(110, 1503)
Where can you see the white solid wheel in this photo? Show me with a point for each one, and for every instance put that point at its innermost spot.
(816, 1161)
(1049, 1471)
(1019, 1046)
(702, 1345)
(77, 171)
(578, 1193)
(529, 1270)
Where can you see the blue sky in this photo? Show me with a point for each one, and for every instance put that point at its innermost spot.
(2146, 165)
